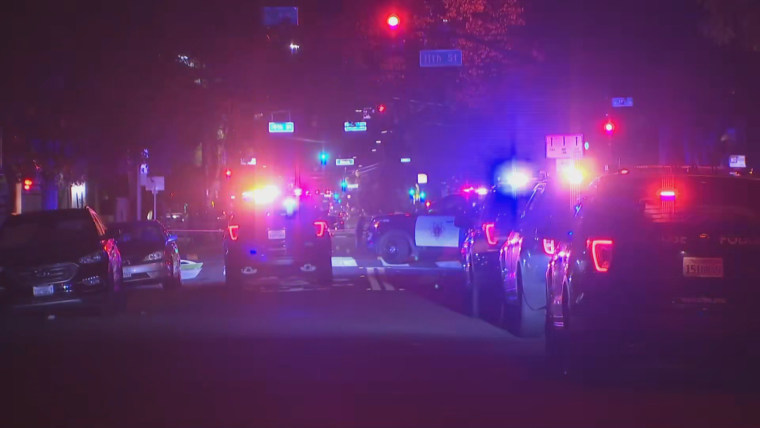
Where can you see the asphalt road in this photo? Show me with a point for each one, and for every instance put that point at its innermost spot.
(383, 347)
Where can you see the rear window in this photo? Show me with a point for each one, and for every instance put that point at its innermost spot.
(50, 229)
(138, 233)
(683, 200)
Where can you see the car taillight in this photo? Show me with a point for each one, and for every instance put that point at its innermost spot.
(601, 253)
(320, 227)
(550, 246)
(490, 230)
(233, 230)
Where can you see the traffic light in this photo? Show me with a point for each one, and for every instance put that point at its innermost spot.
(381, 108)
(323, 158)
(228, 173)
(344, 185)
(609, 127)
(393, 21)
(28, 184)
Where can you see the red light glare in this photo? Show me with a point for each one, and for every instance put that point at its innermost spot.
(381, 108)
(490, 230)
(393, 21)
(550, 247)
(601, 253)
(609, 127)
(320, 227)
(228, 173)
(28, 184)
(234, 230)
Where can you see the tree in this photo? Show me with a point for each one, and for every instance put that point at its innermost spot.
(733, 22)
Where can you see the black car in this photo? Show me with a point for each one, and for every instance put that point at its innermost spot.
(486, 233)
(278, 236)
(149, 254)
(662, 266)
(59, 258)
(526, 254)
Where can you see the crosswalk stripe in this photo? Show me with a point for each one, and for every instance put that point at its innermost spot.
(344, 262)
(373, 282)
(381, 275)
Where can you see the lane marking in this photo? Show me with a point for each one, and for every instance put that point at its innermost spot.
(373, 282)
(381, 274)
(392, 265)
(452, 264)
(344, 262)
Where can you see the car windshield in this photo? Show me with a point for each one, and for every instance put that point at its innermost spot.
(30, 230)
(380, 213)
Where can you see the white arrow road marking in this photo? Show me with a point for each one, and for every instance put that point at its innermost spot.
(373, 282)
(381, 275)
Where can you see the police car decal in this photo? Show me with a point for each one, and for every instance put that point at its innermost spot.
(436, 231)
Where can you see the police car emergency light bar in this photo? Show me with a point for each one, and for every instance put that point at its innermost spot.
(281, 127)
(355, 126)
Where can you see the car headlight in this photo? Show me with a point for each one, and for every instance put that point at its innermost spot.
(95, 257)
(154, 256)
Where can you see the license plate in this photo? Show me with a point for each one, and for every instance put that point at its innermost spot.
(276, 234)
(703, 267)
(43, 290)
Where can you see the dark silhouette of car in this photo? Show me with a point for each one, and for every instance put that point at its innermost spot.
(59, 258)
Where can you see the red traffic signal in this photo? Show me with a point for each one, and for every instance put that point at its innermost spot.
(393, 21)
(381, 108)
(228, 173)
(28, 184)
(609, 127)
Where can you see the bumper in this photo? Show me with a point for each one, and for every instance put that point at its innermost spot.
(313, 262)
(616, 325)
(87, 285)
(145, 273)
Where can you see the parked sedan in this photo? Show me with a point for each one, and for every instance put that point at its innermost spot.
(149, 254)
(59, 258)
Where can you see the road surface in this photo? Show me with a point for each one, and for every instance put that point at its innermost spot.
(383, 347)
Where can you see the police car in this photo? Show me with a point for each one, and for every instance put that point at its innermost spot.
(277, 231)
(439, 232)
(663, 266)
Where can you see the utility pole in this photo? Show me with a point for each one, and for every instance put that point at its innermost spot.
(139, 194)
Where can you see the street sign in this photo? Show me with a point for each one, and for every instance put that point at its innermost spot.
(355, 126)
(344, 162)
(441, 58)
(737, 161)
(248, 161)
(422, 178)
(154, 184)
(622, 102)
(561, 146)
(281, 127)
(406, 160)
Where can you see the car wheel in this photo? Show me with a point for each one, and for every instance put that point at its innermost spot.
(395, 247)
(174, 280)
(473, 293)
(233, 279)
(559, 357)
(518, 318)
(115, 302)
